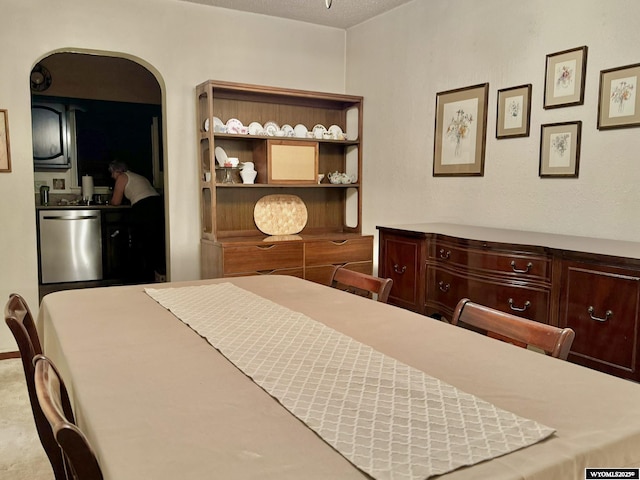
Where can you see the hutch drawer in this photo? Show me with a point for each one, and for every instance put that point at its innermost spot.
(336, 252)
(263, 257)
(322, 274)
(294, 272)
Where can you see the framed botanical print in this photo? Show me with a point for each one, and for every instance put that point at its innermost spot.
(514, 112)
(565, 77)
(460, 131)
(560, 149)
(5, 151)
(619, 102)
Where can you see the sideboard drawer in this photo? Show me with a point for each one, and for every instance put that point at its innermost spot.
(602, 305)
(293, 272)
(490, 261)
(336, 252)
(446, 288)
(263, 257)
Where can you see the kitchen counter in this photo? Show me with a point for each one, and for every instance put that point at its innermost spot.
(82, 207)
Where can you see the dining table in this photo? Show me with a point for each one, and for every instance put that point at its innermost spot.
(167, 382)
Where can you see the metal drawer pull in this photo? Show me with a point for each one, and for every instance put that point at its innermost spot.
(265, 247)
(513, 267)
(444, 286)
(397, 269)
(607, 315)
(445, 255)
(341, 242)
(527, 304)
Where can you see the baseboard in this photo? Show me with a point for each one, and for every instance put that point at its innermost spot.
(8, 355)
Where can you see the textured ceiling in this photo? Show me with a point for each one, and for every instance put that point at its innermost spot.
(342, 14)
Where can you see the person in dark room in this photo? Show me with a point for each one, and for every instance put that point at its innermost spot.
(147, 220)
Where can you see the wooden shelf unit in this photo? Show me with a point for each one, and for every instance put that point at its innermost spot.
(334, 211)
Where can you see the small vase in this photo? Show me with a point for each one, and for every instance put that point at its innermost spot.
(248, 176)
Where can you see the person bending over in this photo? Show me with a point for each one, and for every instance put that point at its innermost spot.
(147, 220)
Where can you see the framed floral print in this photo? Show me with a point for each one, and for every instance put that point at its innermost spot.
(565, 77)
(560, 149)
(5, 151)
(460, 131)
(619, 103)
(514, 112)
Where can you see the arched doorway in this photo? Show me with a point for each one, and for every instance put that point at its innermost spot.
(107, 107)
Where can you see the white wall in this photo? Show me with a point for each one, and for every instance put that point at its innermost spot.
(183, 44)
(400, 60)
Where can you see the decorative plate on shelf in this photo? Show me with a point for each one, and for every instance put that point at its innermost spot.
(255, 128)
(221, 156)
(280, 214)
(300, 131)
(234, 126)
(318, 130)
(218, 126)
(336, 132)
(287, 130)
(271, 128)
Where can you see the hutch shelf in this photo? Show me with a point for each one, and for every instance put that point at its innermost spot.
(231, 244)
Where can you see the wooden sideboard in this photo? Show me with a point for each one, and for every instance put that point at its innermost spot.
(591, 285)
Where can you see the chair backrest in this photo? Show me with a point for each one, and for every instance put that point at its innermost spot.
(555, 341)
(356, 282)
(20, 321)
(81, 459)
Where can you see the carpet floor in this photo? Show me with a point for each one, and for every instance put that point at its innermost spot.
(21, 454)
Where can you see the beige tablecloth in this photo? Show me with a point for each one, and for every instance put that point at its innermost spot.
(159, 403)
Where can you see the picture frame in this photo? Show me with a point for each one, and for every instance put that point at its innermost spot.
(565, 78)
(5, 149)
(292, 162)
(618, 99)
(513, 118)
(560, 149)
(461, 131)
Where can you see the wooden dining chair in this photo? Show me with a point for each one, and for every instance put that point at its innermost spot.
(20, 321)
(81, 460)
(554, 341)
(361, 283)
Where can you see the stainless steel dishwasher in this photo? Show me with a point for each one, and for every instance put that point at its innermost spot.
(70, 245)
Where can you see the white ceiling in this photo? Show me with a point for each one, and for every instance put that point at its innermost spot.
(342, 14)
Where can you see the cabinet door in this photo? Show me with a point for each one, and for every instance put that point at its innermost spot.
(400, 260)
(50, 136)
(116, 238)
(601, 305)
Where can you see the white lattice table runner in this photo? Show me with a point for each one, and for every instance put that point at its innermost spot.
(390, 420)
